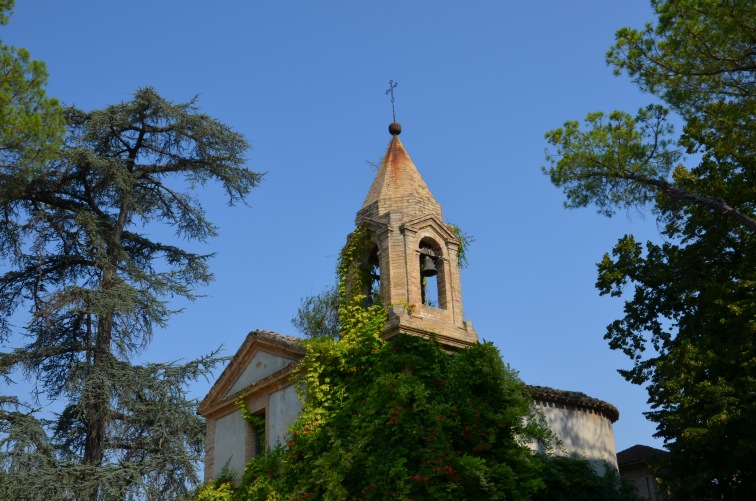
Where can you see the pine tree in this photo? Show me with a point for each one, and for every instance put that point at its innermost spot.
(96, 286)
(31, 123)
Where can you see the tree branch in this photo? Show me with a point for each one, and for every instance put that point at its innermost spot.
(676, 193)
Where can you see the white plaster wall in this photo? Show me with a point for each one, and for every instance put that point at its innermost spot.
(283, 408)
(263, 364)
(584, 432)
(230, 437)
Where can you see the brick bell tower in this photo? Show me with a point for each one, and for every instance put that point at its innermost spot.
(415, 253)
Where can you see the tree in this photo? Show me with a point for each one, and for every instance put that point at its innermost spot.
(32, 124)
(318, 316)
(689, 323)
(96, 288)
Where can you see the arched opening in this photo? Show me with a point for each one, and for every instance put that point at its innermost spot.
(371, 276)
(431, 274)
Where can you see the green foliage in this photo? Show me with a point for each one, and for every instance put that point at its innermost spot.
(354, 275)
(570, 478)
(257, 422)
(318, 316)
(690, 329)
(603, 164)
(222, 491)
(154, 433)
(219, 489)
(31, 124)
(6, 8)
(95, 288)
(400, 419)
(465, 240)
(690, 304)
(697, 56)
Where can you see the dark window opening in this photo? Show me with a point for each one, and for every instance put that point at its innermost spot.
(372, 279)
(429, 268)
(256, 434)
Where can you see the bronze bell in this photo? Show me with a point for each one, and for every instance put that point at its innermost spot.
(428, 268)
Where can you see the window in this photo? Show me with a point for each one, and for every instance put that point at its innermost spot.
(256, 434)
(372, 288)
(431, 274)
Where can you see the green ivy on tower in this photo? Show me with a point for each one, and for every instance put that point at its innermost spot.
(402, 419)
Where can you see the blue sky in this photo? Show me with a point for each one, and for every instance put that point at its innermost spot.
(480, 83)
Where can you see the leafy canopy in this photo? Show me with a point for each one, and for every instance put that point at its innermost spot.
(319, 315)
(79, 257)
(32, 123)
(689, 323)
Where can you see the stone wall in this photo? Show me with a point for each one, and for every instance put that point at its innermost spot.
(584, 431)
(230, 439)
(284, 407)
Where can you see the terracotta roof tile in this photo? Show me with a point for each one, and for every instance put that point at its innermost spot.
(638, 453)
(575, 398)
(292, 343)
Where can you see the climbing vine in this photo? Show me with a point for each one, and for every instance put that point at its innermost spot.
(257, 422)
(400, 419)
(353, 272)
(465, 240)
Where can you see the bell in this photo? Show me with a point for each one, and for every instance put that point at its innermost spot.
(428, 268)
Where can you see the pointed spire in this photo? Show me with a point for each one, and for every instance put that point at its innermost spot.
(404, 221)
(398, 186)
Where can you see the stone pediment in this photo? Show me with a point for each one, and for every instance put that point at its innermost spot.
(262, 356)
(433, 223)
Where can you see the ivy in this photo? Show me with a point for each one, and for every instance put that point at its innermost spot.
(214, 491)
(465, 240)
(353, 273)
(400, 419)
(258, 422)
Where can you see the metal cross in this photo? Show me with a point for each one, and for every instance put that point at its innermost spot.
(392, 86)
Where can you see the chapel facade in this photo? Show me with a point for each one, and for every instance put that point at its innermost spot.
(413, 255)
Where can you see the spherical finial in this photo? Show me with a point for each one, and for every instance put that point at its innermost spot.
(395, 129)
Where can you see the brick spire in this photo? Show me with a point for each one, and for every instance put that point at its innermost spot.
(405, 226)
(399, 188)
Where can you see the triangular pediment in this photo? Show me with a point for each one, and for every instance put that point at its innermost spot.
(432, 222)
(262, 354)
(263, 363)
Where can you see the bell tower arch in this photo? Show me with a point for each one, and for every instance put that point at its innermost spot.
(415, 252)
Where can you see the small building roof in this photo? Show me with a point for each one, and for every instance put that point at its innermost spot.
(289, 346)
(638, 454)
(574, 398)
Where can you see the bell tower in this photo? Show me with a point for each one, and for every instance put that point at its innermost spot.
(415, 252)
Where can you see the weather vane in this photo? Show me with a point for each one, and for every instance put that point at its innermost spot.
(392, 86)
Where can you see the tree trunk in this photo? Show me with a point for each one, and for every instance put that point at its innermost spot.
(98, 409)
(98, 406)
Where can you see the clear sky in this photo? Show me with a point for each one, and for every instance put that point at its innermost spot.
(480, 82)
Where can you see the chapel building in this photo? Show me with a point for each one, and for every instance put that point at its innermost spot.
(414, 257)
